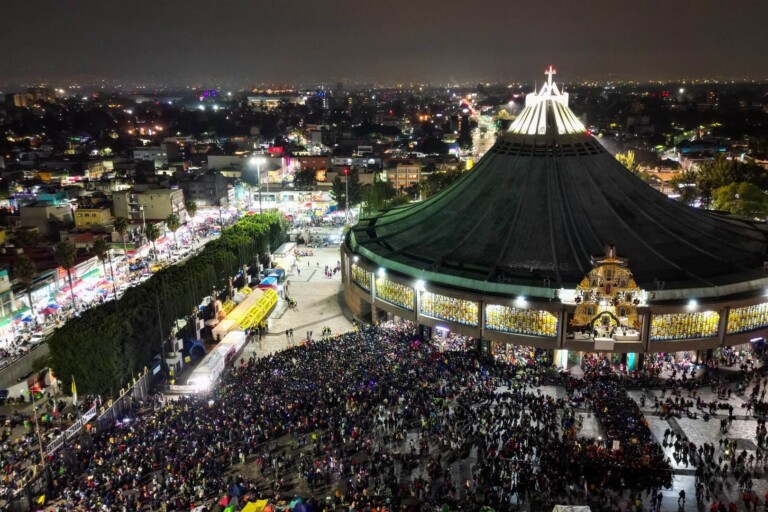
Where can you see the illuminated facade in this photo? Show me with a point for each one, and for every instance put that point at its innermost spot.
(550, 242)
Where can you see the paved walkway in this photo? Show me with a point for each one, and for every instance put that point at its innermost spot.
(318, 305)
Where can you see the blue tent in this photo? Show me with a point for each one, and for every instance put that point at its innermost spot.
(236, 490)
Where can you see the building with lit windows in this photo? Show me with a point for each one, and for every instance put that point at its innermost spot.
(154, 204)
(550, 242)
(403, 175)
(93, 216)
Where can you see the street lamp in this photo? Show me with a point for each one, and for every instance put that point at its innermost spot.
(257, 161)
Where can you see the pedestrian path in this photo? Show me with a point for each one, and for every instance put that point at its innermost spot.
(317, 306)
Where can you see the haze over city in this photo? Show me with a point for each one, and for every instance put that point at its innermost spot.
(243, 43)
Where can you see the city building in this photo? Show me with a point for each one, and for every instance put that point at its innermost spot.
(206, 188)
(94, 216)
(550, 242)
(48, 218)
(403, 175)
(160, 155)
(152, 204)
(271, 102)
(316, 162)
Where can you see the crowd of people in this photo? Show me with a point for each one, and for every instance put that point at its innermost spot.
(373, 417)
(379, 418)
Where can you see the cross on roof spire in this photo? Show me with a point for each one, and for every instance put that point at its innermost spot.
(549, 72)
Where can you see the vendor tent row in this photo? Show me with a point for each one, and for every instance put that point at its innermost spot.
(253, 308)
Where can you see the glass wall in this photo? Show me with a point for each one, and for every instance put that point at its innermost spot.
(449, 308)
(683, 326)
(748, 318)
(520, 321)
(394, 293)
(361, 277)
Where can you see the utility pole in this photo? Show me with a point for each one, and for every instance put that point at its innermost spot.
(258, 173)
(160, 328)
(218, 200)
(112, 275)
(346, 194)
(37, 430)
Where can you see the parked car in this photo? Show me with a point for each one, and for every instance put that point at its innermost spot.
(36, 339)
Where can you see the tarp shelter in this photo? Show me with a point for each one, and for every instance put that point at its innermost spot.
(255, 506)
(571, 508)
(284, 263)
(269, 282)
(222, 328)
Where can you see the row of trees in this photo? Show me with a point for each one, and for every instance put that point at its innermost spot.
(724, 184)
(382, 194)
(108, 344)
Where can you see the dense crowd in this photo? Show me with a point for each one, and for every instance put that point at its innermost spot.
(373, 418)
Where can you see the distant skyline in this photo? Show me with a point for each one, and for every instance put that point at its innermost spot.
(298, 41)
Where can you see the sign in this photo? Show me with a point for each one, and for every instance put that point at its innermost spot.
(605, 344)
(177, 388)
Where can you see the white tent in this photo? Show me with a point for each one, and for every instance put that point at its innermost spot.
(571, 508)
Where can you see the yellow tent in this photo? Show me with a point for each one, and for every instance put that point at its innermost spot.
(255, 506)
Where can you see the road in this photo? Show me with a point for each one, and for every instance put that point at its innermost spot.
(22, 366)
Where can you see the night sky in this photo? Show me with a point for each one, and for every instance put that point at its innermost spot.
(372, 40)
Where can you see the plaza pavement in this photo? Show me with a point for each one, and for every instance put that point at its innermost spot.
(318, 304)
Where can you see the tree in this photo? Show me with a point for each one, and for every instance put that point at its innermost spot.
(103, 251)
(152, 233)
(26, 238)
(339, 189)
(121, 226)
(685, 185)
(26, 271)
(105, 346)
(64, 254)
(191, 207)
(744, 199)
(628, 161)
(101, 248)
(439, 180)
(715, 174)
(173, 223)
(721, 172)
(304, 179)
(377, 195)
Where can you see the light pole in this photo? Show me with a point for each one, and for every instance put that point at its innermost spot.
(112, 275)
(257, 161)
(258, 173)
(143, 220)
(267, 188)
(346, 193)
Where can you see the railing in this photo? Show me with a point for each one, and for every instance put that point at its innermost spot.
(57, 443)
(118, 408)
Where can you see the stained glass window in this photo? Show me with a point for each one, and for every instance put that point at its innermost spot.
(748, 318)
(520, 321)
(361, 277)
(394, 293)
(682, 326)
(449, 308)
